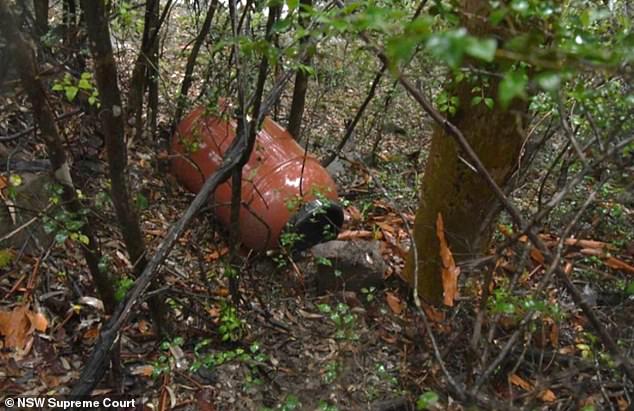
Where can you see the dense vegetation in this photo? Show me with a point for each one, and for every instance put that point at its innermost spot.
(484, 149)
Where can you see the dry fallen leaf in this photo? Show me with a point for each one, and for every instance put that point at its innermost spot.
(623, 404)
(38, 321)
(592, 251)
(520, 382)
(617, 264)
(537, 256)
(144, 327)
(433, 314)
(354, 234)
(91, 335)
(354, 213)
(585, 243)
(216, 254)
(450, 271)
(547, 396)
(142, 370)
(395, 303)
(18, 325)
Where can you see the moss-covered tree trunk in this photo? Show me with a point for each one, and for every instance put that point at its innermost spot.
(454, 189)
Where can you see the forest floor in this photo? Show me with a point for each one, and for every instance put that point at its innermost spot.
(343, 350)
(287, 346)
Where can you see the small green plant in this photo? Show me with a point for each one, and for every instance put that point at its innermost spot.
(369, 293)
(15, 180)
(210, 360)
(71, 88)
(447, 103)
(323, 261)
(293, 203)
(343, 319)
(190, 145)
(64, 224)
(122, 286)
(291, 402)
(326, 406)
(230, 271)
(480, 98)
(331, 371)
(163, 363)
(289, 239)
(426, 400)
(231, 326)
(384, 375)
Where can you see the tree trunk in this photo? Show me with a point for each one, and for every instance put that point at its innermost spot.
(301, 80)
(41, 16)
(191, 62)
(153, 70)
(452, 188)
(112, 118)
(45, 118)
(138, 81)
(69, 21)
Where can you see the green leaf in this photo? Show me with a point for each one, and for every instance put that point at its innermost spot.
(15, 180)
(483, 49)
(549, 81)
(84, 84)
(449, 46)
(497, 15)
(476, 100)
(84, 239)
(282, 26)
(6, 256)
(629, 289)
(71, 92)
(74, 225)
(292, 4)
(426, 400)
(61, 236)
(142, 202)
(513, 85)
(57, 87)
(488, 101)
(400, 48)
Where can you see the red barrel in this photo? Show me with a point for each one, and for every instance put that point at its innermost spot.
(271, 197)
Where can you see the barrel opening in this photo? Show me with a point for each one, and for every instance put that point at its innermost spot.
(317, 221)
